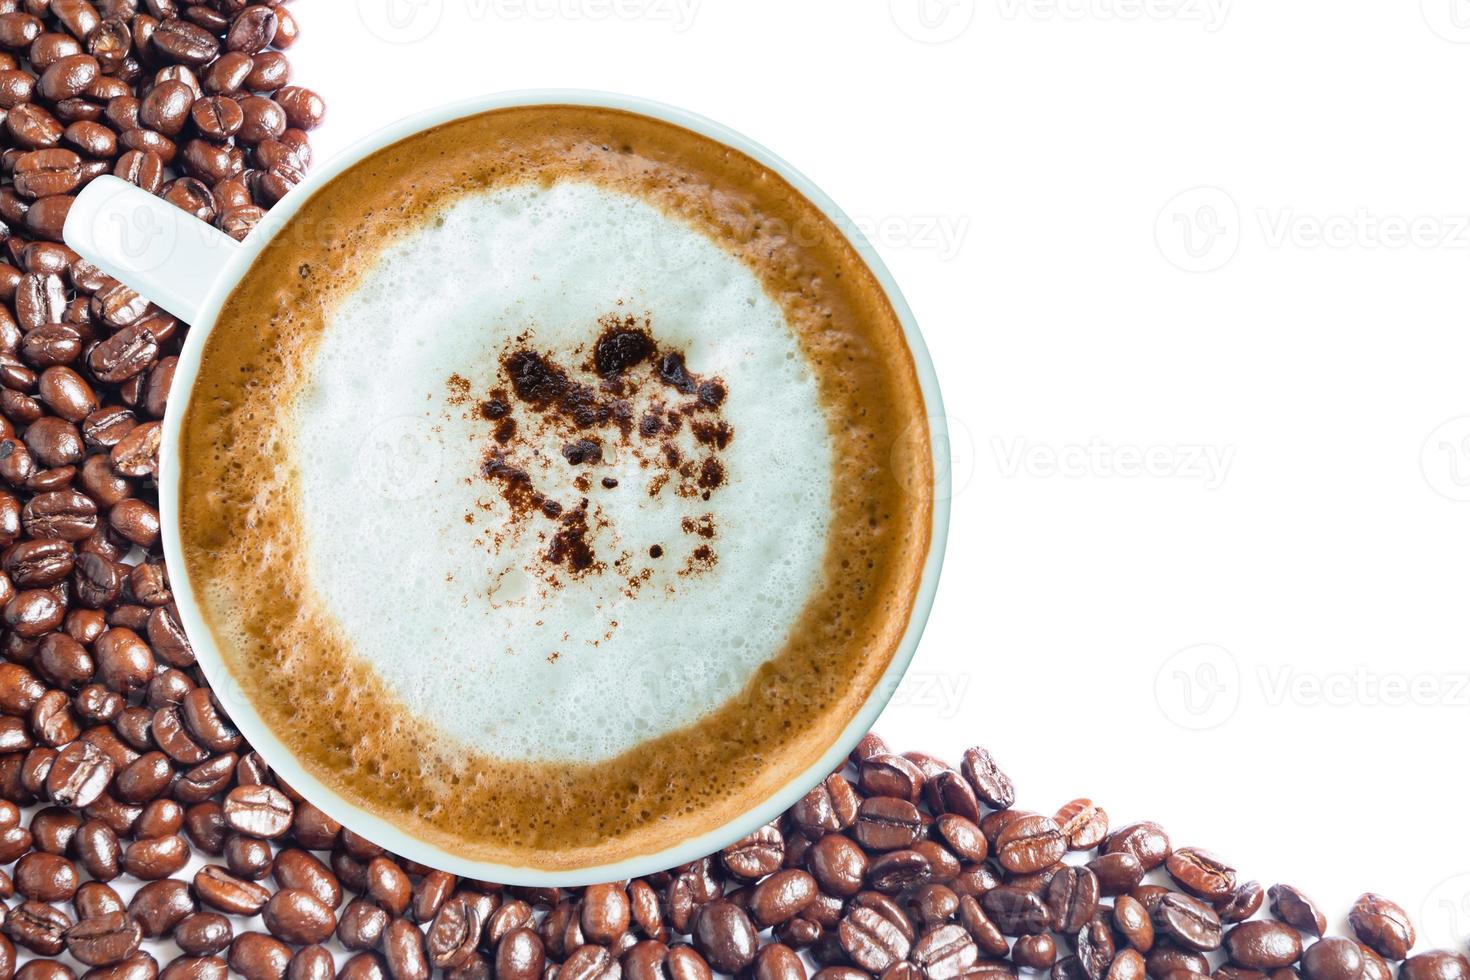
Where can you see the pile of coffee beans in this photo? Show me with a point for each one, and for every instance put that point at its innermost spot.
(118, 766)
(192, 102)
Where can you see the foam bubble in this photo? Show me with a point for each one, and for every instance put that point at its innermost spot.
(425, 566)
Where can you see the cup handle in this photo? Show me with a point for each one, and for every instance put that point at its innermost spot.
(167, 255)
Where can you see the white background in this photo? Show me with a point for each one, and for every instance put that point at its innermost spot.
(1229, 240)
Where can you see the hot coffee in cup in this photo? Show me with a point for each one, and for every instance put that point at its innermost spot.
(556, 485)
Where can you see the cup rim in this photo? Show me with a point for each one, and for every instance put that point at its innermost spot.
(241, 710)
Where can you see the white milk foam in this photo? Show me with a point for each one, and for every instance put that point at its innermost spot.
(460, 619)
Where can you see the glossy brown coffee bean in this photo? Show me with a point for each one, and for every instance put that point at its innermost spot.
(203, 933)
(156, 857)
(1242, 903)
(256, 956)
(886, 823)
(1035, 952)
(1188, 922)
(724, 935)
(104, 940)
(258, 811)
(991, 785)
(1333, 958)
(1263, 945)
(1030, 844)
(218, 889)
(756, 855)
(1382, 925)
(297, 916)
(362, 924)
(1145, 841)
(403, 949)
(1439, 964)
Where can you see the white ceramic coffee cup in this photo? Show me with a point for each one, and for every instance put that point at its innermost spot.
(189, 268)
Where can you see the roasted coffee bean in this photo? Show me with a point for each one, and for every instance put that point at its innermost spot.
(1188, 922)
(203, 933)
(256, 956)
(104, 940)
(258, 811)
(1244, 902)
(1071, 898)
(1016, 911)
(1035, 952)
(38, 927)
(1166, 959)
(1117, 873)
(886, 823)
(139, 966)
(403, 949)
(1263, 945)
(363, 924)
(724, 935)
(45, 877)
(1133, 923)
(945, 952)
(1296, 909)
(1030, 844)
(79, 775)
(94, 898)
(1095, 950)
(218, 889)
(782, 896)
(990, 784)
(777, 962)
(1145, 841)
(1382, 926)
(605, 913)
(891, 775)
(1333, 958)
(304, 109)
(156, 857)
(893, 872)
(99, 850)
(453, 934)
(838, 865)
(315, 963)
(756, 855)
(1440, 964)
(871, 940)
(298, 916)
(1083, 823)
(1201, 873)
